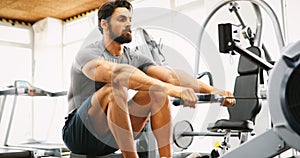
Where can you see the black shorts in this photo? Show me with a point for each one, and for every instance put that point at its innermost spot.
(81, 138)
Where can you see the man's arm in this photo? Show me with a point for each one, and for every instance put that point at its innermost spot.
(178, 78)
(131, 77)
(183, 79)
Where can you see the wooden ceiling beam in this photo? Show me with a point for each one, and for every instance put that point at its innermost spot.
(35, 10)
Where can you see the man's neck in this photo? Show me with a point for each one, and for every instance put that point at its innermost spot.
(113, 47)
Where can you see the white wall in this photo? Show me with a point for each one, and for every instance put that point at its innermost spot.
(48, 111)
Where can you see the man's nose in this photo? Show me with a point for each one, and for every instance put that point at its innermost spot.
(128, 23)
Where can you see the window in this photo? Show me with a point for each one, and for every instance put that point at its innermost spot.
(14, 34)
(76, 30)
(16, 64)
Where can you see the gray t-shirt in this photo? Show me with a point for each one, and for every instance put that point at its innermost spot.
(82, 87)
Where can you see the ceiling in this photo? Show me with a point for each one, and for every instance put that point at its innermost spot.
(35, 10)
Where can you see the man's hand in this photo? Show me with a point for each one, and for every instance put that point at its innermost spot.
(189, 97)
(230, 101)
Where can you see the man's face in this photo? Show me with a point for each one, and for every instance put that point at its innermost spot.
(120, 26)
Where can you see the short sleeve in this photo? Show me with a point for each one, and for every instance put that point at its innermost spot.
(86, 54)
(141, 61)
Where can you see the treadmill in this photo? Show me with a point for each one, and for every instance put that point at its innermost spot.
(31, 149)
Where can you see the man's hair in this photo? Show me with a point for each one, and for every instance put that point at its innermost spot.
(107, 9)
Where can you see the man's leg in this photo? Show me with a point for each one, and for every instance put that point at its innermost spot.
(109, 112)
(157, 104)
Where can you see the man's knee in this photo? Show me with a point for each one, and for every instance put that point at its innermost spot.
(158, 97)
(108, 95)
(150, 98)
(118, 95)
(159, 101)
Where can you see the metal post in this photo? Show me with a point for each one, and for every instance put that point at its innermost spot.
(2, 107)
(10, 120)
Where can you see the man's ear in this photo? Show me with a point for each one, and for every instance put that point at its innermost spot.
(104, 23)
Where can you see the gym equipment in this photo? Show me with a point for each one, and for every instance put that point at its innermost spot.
(257, 4)
(283, 99)
(241, 116)
(227, 44)
(143, 43)
(14, 153)
(183, 134)
(212, 98)
(253, 38)
(283, 93)
(24, 88)
(248, 105)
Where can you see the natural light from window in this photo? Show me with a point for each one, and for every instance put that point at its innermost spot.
(14, 34)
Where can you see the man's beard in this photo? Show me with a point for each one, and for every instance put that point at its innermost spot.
(125, 37)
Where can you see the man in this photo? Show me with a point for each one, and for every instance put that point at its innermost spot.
(101, 119)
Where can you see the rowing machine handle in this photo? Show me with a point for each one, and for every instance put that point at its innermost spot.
(201, 97)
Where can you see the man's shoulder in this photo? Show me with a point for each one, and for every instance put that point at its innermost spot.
(91, 48)
(88, 52)
(95, 45)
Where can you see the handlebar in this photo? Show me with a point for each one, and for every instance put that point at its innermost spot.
(216, 98)
(24, 88)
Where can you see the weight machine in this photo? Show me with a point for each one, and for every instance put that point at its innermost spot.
(283, 99)
(282, 96)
